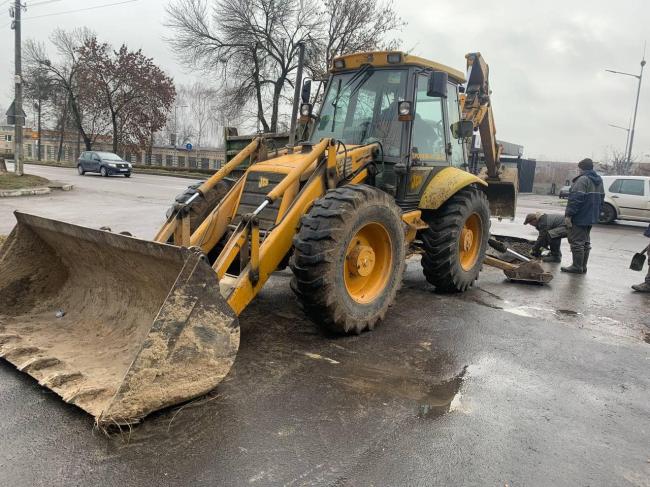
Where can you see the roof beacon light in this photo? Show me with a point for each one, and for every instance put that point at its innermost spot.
(339, 64)
(394, 58)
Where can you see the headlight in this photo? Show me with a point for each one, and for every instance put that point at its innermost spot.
(112, 164)
(130, 165)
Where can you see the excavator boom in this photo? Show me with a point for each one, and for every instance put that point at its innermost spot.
(476, 105)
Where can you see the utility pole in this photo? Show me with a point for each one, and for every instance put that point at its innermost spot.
(296, 95)
(636, 104)
(627, 136)
(636, 108)
(18, 134)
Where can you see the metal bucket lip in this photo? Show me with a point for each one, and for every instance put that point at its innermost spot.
(117, 241)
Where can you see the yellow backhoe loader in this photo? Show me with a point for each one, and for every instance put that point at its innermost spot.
(122, 327)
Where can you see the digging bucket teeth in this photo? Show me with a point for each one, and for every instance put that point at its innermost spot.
(118, 326)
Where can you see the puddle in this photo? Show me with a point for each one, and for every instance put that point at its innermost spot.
(521, 311)
(443, 398)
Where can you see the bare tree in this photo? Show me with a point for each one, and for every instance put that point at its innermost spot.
(353, 26)
(40, 91)
(251, 44)
(202, 101)
(616, 163)
(64, 70)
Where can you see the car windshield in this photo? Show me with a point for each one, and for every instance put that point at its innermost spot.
(109, 156)
(361, 107)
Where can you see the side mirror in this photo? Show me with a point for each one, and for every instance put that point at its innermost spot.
(462, 129)
(306, 91)
(437, 86)
(306, 111)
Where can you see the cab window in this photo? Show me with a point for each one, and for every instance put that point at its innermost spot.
(453, 109)
(427, 139)
(361, 108)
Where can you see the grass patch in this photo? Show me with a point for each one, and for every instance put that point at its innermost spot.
(11, 181)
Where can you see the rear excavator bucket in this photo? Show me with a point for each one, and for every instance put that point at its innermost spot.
(118, 326)
(502, 192)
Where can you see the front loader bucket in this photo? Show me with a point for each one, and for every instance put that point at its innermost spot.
(118, 326)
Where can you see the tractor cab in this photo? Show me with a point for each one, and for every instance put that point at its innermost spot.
(406, 105)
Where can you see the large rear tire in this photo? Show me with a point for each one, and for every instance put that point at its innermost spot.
(456, 240)
(349, 258)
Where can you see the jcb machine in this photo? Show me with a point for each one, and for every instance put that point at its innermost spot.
(121, 326)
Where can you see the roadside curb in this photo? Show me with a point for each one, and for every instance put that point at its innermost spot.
(40, 190)
(9, 193)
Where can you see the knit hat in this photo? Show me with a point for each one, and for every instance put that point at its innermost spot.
(586, 164)
(531, 217)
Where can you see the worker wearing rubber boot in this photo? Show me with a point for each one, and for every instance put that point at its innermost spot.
(586, 196)
(644, 287)
(551, 230)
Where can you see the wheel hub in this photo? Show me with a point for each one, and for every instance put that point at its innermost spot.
(467, 237)
(361, 260)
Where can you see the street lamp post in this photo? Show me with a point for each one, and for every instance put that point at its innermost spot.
(636, 105)
(627, 137)
(176, 107)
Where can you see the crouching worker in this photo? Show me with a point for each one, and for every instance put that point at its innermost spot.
(551, 230)
(644, 287)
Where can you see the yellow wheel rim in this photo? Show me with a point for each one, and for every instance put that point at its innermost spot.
(368, 261)
(469, 243)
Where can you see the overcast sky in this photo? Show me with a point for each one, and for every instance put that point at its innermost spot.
(547, 60)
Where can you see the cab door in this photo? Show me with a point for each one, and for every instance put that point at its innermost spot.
(429, 138)
(631, 197)
(95, 162)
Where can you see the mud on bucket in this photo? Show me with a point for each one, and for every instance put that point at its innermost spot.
(118, 326)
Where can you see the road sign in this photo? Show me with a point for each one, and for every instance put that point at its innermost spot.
(188, 146)
(13, 117)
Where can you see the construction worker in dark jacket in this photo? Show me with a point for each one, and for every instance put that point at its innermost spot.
(586, 196)
(644, 287)
(551, 230)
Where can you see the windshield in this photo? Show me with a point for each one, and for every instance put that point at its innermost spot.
(361, 107)
(109, 156)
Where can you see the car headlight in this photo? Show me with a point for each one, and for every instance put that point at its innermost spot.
(130, 165)
(112, 164)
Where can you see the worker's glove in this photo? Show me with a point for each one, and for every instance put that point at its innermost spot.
(567, 222)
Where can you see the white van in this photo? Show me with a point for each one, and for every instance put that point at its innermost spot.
(626, 198)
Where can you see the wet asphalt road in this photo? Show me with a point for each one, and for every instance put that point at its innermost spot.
(506, 384)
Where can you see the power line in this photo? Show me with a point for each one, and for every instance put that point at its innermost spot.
(79, 10)
(43, 3)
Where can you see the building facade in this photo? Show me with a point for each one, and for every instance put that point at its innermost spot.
(72, 146)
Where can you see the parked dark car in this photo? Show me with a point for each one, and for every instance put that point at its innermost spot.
(564, 192)
(105, 163)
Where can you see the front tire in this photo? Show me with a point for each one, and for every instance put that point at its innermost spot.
(349, 258)
(456, 240)
(607, 214)
(103, 172)
(127, 175)
(80, 170)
